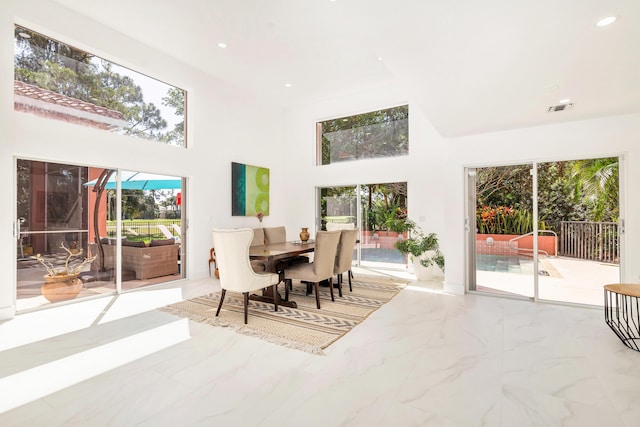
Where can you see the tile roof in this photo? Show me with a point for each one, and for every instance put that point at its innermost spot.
(37, 93)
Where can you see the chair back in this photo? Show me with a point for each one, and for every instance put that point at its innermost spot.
(275, 234)
(258, 237)
(232, 256)
(324, 255)
(344, 255)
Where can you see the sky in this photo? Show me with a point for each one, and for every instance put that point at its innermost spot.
(153, 91)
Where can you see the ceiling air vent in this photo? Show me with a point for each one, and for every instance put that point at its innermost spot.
(560, 107)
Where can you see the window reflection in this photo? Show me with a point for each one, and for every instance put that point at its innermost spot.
(383, 133)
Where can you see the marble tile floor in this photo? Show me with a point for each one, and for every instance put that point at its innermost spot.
(424, 359)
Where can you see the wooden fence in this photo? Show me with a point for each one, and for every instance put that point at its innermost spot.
(597, 241)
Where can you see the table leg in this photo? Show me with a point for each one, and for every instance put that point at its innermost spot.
(268, 296)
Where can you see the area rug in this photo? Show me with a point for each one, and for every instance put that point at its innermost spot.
(304, 328)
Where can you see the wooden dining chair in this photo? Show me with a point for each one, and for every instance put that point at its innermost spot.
(344, 256)
(236, 274)
(320, 269)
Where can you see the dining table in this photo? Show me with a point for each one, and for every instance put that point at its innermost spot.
(274, 255)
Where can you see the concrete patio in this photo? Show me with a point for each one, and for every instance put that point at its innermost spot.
(568, 280)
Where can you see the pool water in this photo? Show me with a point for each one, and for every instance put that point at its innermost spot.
(499, 263)
(507, 264)
(383, 255)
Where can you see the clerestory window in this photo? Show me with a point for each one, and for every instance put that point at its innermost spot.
(382, 133)
(58, 81)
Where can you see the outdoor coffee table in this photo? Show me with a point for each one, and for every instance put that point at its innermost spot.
(622, 312)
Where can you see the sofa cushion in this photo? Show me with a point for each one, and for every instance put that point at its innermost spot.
(139, 244)
(164, 242)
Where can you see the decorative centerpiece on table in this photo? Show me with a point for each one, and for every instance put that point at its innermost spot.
(62, 283)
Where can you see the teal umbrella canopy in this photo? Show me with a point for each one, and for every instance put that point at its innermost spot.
(142, 181)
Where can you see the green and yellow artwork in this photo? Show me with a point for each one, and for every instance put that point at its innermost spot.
(250, 190)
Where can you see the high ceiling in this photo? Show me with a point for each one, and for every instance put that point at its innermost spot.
(472, 66)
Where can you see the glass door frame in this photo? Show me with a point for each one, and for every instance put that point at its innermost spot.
(358, 261)
(470, 227)
(358, 216)
(115, 284)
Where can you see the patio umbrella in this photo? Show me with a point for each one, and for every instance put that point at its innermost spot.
(141, 181)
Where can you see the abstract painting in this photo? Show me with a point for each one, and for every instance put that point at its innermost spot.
(249, 190)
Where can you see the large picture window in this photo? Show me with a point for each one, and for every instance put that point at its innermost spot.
(382, 133)
(58, 81)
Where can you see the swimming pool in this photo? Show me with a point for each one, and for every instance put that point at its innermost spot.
(499, 263)
(507, 264)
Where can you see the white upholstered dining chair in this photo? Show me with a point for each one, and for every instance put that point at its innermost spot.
(320, 269)
(236, 274)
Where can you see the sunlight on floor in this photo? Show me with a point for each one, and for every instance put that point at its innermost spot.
(28, 327)
(42, 380)
(434, 289)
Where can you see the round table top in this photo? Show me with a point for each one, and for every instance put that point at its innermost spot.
(629, 289)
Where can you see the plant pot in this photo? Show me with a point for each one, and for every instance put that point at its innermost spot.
(60, 278)
(61, 287)
(423, 273)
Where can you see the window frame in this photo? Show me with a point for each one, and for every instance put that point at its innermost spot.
(387, 124)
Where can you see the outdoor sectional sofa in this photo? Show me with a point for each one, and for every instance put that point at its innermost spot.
(160, 258)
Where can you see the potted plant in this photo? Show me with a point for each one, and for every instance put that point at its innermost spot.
(63, 283)
(424, 250)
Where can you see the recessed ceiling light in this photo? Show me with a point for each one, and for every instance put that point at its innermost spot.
(379, 58)
(606, 21)
(222, 45)
(564, 101)
(288, 85)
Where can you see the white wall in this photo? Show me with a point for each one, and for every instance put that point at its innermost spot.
(422, 169)
(435, 166)
(225, 125)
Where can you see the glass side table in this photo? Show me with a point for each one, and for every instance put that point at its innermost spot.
(622, 312)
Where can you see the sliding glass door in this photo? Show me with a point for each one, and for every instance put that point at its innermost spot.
(53, 231)
(579, 206)
(80, 233)
(548, 231)
(372, 208)
(502, 244)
